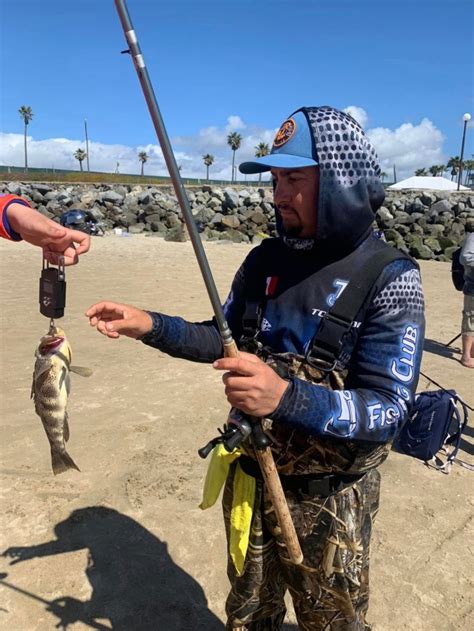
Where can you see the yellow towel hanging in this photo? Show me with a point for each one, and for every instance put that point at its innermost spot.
(242, 501)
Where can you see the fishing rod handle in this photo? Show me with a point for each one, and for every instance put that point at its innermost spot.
(273, 483)
(230, 349)
(280, 505)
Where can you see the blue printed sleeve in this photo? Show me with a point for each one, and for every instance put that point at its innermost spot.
(382, 374)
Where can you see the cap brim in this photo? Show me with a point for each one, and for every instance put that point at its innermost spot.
(278, 161)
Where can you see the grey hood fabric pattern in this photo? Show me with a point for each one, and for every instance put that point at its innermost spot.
(350, 190)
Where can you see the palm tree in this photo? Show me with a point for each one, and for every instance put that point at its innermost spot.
(208, 160)
(233, 140)
(436, 169)
(454, 164)
(26, 114)
(383, 175)
(262, 150)
(420, 172)
(143, 157)
(80, 155)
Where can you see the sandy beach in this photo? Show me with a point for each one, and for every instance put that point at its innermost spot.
(122, 544)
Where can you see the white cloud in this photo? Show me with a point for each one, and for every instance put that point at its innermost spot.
(409, 146)
(234, 123)
(358, 113)
(59, 153)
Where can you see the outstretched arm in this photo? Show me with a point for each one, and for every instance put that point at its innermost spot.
(199, 341)
(50, 548)
(19, 221)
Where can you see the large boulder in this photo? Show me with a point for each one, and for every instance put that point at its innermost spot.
(417, 248)
(384, 218)
(231, 199)
(14, 188)
(258, 217)
(403, 217)
(230, 221)
(137, 228)
(203, 215)
(443, 206)
(111, 197)
(173, 221)
(42, 189)
(433, 244)
(176, 233)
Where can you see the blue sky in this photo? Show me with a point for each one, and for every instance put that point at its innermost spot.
(404, 68)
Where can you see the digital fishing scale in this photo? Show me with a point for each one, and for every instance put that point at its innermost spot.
(52, 290)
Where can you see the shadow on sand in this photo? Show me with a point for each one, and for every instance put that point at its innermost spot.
(439, 348)
(465, 445)
(135, 584)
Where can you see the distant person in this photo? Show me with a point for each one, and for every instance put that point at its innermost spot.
(332, 420)
(18, 221)
(467, 326)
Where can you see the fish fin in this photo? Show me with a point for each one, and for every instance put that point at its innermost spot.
(81, 370)
(63, 378)
(67, 383)
(62, 462)
(66, 428)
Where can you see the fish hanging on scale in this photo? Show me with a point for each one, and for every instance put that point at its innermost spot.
(50, 391)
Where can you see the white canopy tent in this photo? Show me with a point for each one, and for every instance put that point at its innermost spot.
(427, 183)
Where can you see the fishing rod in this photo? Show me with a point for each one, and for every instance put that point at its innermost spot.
(264, 454)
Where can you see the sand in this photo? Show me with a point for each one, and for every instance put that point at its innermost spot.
(123, 544)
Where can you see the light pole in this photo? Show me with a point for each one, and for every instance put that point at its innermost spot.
(466, 118)
(87, 145)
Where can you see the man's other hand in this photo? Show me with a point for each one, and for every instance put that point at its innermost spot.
(250, 385)
(114, 319)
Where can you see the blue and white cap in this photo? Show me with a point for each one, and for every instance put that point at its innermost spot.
(293, 148)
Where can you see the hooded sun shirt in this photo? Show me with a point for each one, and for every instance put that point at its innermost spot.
(296, 281)
(350, 188)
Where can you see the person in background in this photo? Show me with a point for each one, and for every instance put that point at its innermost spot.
(467, 326)
(19, 221)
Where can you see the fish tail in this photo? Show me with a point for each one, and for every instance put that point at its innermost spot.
(62, 461)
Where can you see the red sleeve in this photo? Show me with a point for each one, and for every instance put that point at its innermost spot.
(5, 229)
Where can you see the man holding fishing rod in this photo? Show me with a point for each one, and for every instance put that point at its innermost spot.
(329, 322)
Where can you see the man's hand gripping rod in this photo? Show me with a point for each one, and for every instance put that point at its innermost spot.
(264, 456)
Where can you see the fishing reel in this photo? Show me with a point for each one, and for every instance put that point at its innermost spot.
(238, 428)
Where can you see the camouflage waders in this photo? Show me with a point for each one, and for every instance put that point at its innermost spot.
(330, 589)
